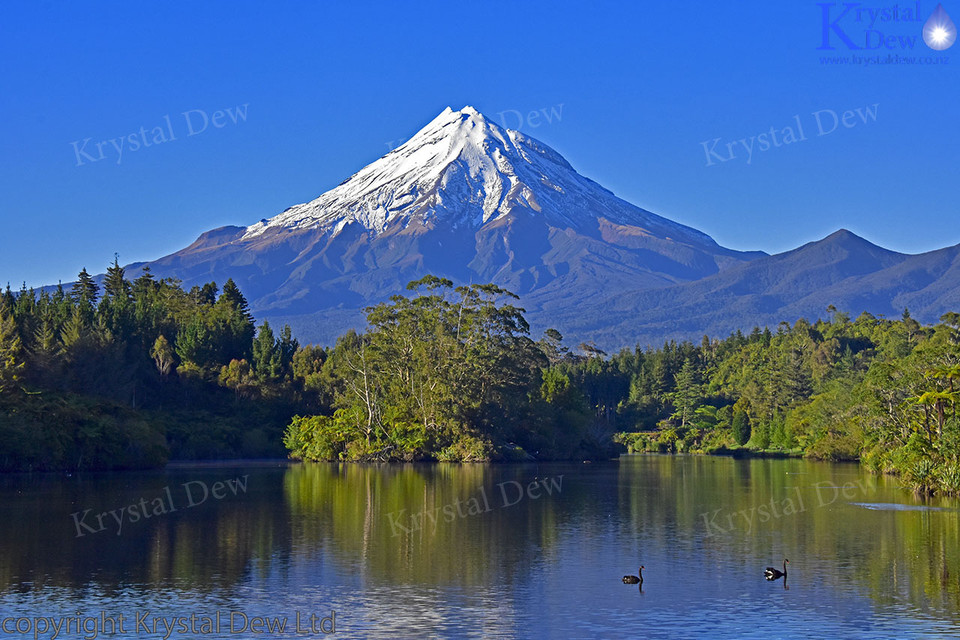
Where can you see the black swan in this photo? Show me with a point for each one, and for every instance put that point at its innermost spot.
(775, 574)
(634, 579)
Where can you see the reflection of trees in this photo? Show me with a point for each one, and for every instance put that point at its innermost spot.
(339, 515)
(893, 556)
(363, 514)
(339, 511)
(207, 546)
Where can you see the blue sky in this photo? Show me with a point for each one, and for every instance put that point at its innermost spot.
(650, 100)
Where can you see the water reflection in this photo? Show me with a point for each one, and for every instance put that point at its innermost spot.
(51, 536)
(442, 524)
(487, 550)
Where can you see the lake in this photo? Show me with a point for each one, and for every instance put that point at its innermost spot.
(452, 551)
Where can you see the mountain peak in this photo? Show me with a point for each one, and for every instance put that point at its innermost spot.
(846, 240)
(462, 169)
(841, 254)
(466, 115)
(845, 235)
(842, 233)
(463, 199)
(469, 111)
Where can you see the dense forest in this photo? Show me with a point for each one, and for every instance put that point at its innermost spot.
(451, 374)
(871, 389)
(138, 373)
(145, 371)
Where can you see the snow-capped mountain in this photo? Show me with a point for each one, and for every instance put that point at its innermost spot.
(463, 170)
(464, 199)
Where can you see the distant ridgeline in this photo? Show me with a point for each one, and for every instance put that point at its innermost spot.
(146, 371)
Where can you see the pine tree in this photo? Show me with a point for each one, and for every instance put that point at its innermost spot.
(144, 293)
(288, 346)
(8, 300)
(267, 364)
(84, 289)
(46, 347)
(11, 351)
(233, 316)
(47, 337)
(194, 343)
(26, 312)
(741, 426)
(114, 285)
(205, 295)
(232, 296)
(687, 395)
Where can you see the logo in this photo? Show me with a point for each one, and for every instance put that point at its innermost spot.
(885, 28)
(939, 32)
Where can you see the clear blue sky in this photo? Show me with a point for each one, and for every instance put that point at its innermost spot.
(328, 86)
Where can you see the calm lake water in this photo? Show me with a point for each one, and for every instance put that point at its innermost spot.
(478, 551)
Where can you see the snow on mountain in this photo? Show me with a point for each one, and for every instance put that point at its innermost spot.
(466, 170)
(468, 200)
(463, 199)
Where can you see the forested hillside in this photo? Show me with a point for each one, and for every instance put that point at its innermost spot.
(878, 390)
(139, 372)
(144, 371)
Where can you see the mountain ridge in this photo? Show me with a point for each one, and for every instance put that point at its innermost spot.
(468, 200)
(784, 287)
(465, 199)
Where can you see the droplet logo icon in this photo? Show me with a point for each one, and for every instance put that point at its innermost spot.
(939, 32)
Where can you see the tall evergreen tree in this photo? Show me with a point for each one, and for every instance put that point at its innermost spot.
(741, 426)
(232, 296)
(205, 295)
(11, 351)
(194, 346)
(288, 346)
(267, 361)
(115, 286)
(687, 394)
(84, 289)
